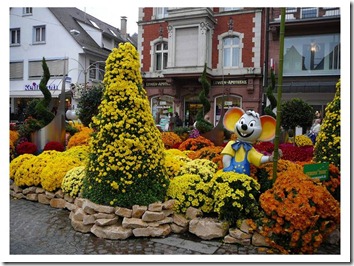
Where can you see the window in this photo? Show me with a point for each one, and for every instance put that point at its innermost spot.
(27, 11)
(16, 70)
(39, 34)
(312, 55)
(96, 70)
(231, 50)
(228, 101)
(15, 36)
(309, 12)
(161, 12)
(56, 68)
(161, 55)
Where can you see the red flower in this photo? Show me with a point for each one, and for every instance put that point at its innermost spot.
(26, 147)
(54, 145)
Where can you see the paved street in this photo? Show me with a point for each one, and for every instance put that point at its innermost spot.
(40, 229)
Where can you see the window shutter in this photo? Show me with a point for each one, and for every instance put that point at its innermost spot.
(16, 70)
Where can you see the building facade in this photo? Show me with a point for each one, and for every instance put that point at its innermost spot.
(74, 44)
(176, 43)
(312, 53)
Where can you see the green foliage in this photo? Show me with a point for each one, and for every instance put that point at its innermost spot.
(203, 125)
(327, 146)
(268, 110)
(42, 112)
(126, 164)
(296, 112)
(88, 104)
(37, 113)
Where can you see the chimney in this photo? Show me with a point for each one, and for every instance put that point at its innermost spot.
(123, 26)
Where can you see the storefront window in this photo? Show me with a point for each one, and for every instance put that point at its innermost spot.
(161, 107)
(312, 55)
(229, 101)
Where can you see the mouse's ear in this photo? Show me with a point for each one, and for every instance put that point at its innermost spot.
(268, 128)
(231, 117)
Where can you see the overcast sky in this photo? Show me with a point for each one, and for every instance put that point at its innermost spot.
(113, 16)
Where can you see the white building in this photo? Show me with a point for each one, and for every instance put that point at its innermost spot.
(70, 40)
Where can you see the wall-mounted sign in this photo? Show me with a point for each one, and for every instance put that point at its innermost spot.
(230, 82)
(35, 87)
(157, 84)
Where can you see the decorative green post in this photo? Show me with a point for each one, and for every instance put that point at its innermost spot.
(280, 84)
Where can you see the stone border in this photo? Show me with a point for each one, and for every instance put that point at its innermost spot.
(156, 220)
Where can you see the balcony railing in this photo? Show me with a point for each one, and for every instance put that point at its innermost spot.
(296, 13)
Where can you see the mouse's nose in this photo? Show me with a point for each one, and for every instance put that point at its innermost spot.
(244, 127)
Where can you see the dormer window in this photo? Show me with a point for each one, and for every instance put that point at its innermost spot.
(94, 24)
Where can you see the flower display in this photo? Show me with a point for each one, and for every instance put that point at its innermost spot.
(303, 140)
(327, 146)
(212, 153)
(53, 173)
(17, 162)
(264, 147)
(170, 139)
(174, 160)
(26, 147)
(72, 181)
(54, 145)
(13, 138)
(28, 173)
(126, 162)
(264, 173)
(82, 137)
(81, 152)
(202, 167)
(235, 196)
(190, 190)
(295, 153)
(300, 213)
(194, 144)
(194, 133)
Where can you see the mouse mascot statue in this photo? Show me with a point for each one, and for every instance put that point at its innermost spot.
(249, 127)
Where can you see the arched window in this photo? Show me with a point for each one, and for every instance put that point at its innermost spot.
(161, 55)
(231, 51)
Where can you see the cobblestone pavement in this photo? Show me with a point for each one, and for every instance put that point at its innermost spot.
(36, 228)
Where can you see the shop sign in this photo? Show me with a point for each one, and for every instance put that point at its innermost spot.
(230, 82)
(157, 84)
(317, 170)
(35, 87)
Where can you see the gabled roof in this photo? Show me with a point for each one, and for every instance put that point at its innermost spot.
(70, 17)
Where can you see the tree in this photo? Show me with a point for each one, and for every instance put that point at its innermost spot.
(41, 108)
(327, 146)
(296, 113)
(88, 104)
(126, 162)
(202, 124)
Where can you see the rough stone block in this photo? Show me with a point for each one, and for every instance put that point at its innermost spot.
(42, 198)
(123, 212)
(150, 216)
(58, 203)
(111, 232)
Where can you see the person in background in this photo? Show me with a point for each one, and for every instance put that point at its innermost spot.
(178, 120)
(172, 121)
(315, 129)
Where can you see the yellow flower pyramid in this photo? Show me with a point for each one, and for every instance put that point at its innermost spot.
(327, 147)
(126, 164)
